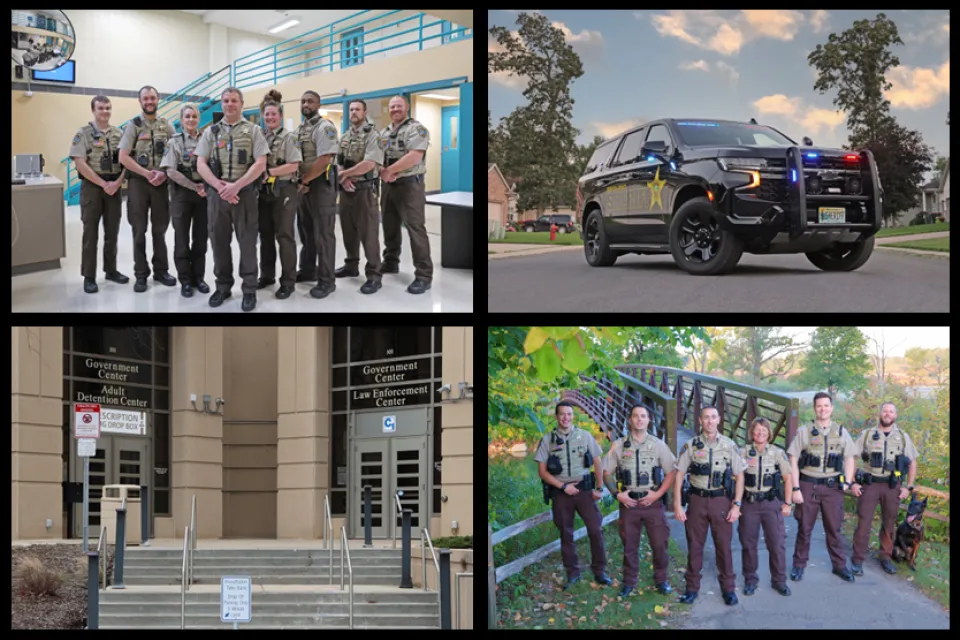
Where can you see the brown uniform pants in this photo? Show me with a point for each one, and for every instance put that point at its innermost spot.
(866, 506)
(317, 217)
(360, 224)
(224, 218)
(817, 498)
(277, 210)
(404, 202)
(94, 205)
(765, 513)
(187, 208)
(141, 195)
(631, 524)
(700, 513)
(583, 503)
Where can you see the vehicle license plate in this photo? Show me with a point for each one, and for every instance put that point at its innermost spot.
(832, 215)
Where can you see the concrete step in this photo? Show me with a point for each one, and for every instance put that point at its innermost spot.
(275, 608)
(355, 552)
(206, 572)
(242, 625)
(275, 621)
(203, 561)
(376, 579)
(391, 596)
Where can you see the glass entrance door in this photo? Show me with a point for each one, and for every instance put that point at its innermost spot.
(370, 463)
(119, 460)
(408, 465)
(389, 465)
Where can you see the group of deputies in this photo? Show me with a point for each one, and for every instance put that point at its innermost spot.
(239, 178)
(728, 483)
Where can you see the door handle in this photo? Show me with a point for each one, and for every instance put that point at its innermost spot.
(446, 148)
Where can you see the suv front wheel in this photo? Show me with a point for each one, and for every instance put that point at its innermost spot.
(843, 256)
(698, 244)
(595, 245)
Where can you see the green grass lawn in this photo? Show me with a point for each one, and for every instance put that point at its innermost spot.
(909, 231)
(539, 237)
(931, 244)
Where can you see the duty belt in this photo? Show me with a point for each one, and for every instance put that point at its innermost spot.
(703, 493)
(636, 495)
(404, 179)
(830, 482)
(758, 496)
(365, 184)
(109, 177)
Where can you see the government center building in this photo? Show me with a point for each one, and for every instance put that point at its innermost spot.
(261, 424)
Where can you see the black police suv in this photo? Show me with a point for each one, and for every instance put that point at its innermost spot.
(708, 190)
(564, 223)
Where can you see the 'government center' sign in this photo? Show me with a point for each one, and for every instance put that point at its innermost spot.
(108, 389)
(391, 394)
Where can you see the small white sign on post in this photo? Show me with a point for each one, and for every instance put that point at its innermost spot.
(87, 423)
(86, 447)
(235, 599)
(389, 424)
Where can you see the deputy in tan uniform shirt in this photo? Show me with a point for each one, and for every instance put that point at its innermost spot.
(821, 455)
(278, 200)
(405, 143)
(95, 151)
(188, 203)
(141, 150)
(239, 154)
(360, 159)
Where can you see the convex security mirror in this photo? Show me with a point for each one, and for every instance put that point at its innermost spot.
(41, 39)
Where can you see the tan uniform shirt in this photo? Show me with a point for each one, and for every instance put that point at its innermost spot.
(127, 141)
(570, 453)
(891, 445)
(827, 441)
(369, 141)
(109, 141)
(763, 464)
(283, 151)
(409, 136)
(639, 459)
(260, 146)
(325, 138)
(717, 453)
(182, 148)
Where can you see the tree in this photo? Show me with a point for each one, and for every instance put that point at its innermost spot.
(751, 349)
(705, 353)
(878, 356)
(537, 140)
(837, 360)
(922, 363)
(855, 63)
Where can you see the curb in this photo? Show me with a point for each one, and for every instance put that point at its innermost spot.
(531, 252)
(917, 252)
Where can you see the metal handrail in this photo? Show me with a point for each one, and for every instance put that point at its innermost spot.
(344, 544)
(193, 534)
(456, 592)
(436, 563)
(328, 524)
(183, 577)
(102, 555)
(399, 513)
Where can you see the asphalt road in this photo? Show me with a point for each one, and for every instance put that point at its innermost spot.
(563, 281)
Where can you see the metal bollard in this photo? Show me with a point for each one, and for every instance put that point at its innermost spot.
(121, 544)
(444, 588)
(405, 581)
(144, 517)
(93, 590)
(367, 518)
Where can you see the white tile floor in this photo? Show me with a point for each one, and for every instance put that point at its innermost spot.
(61, 290)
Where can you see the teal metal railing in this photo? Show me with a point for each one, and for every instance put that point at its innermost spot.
(323, 48)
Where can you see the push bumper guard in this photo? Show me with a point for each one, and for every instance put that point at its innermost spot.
(798, 200)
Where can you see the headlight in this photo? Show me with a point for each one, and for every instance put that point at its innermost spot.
(742, 164)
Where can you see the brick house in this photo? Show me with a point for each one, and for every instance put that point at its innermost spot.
(944, 193)
(498, 195)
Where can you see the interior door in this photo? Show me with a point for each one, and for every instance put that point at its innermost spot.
(408, 462)
(370, 465)
(450, 152)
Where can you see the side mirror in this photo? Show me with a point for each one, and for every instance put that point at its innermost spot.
(654, 148)
(807, 142)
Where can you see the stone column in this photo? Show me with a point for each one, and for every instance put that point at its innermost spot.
(196, 455)
(457, 463)
(303, 431)
(36, 368)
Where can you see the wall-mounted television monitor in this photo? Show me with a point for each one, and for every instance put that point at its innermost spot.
(65, 73)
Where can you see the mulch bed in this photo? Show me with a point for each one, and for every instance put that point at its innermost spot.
(67, 609)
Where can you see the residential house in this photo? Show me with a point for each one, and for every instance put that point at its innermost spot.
(944, 192)
(498, 195)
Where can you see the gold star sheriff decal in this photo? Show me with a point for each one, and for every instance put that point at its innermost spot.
(656, 187)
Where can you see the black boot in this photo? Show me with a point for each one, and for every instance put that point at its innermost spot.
(185, 290)
(165, 278)
(202, 287)
(116, 276)
(346, 272)
(688, 597)
(418, 286)
(730, 598)
(664, 588)
(844, 574)
(249, 301)
(218, 297)
(90, 285)
(603, 579)
(370, 286)
(796, 574)
(625, 591)
(750, 589)
(265, 282)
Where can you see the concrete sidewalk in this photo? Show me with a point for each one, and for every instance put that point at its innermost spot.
(918, 236)
(513, 250)
(820, 600)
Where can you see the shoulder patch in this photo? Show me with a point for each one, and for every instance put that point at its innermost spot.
(331, 133)
(422, 131)
(76, 139)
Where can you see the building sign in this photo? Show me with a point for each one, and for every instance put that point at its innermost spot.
(131, 423)
(111, 370)
(395, 396)
(390, 372)
(117, 395)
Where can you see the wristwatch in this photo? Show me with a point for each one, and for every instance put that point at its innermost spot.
(796, 488)
(564, 487)
(845, 485)
(736, 502)
(910, 488)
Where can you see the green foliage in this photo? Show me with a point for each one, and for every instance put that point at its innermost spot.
(837, 360)
(755, 350)
(453, 542)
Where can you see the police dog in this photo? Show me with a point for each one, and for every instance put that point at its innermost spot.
(910, 533)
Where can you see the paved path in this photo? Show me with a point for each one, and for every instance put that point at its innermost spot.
(918, 236)
(820, 601)
(891, 281)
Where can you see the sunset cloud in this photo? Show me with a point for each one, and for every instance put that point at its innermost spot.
(918, 87)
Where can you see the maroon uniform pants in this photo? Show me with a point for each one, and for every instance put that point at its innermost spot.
(700, 513)
(564, 507)
(766, 514)
(819, 498)
(631, 525)
(866, 506)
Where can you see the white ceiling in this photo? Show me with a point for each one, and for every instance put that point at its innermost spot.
(262, 21)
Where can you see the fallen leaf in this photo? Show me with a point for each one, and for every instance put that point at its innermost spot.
(550, 620)
(640, 592)
(627, 607)
(658, 609)
(910, 579)
(662, 623)
(518, 616)
(649, 616)
(594, 585)
(547, 606)
(582, 619)
(562, 606)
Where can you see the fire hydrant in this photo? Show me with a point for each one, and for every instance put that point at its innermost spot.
(553, 232)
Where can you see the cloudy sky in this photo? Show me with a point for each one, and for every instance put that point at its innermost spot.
(641, 65)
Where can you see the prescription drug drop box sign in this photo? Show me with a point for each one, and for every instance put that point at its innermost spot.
(235, 599)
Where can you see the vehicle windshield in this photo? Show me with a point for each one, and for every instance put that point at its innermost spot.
(718, 134)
